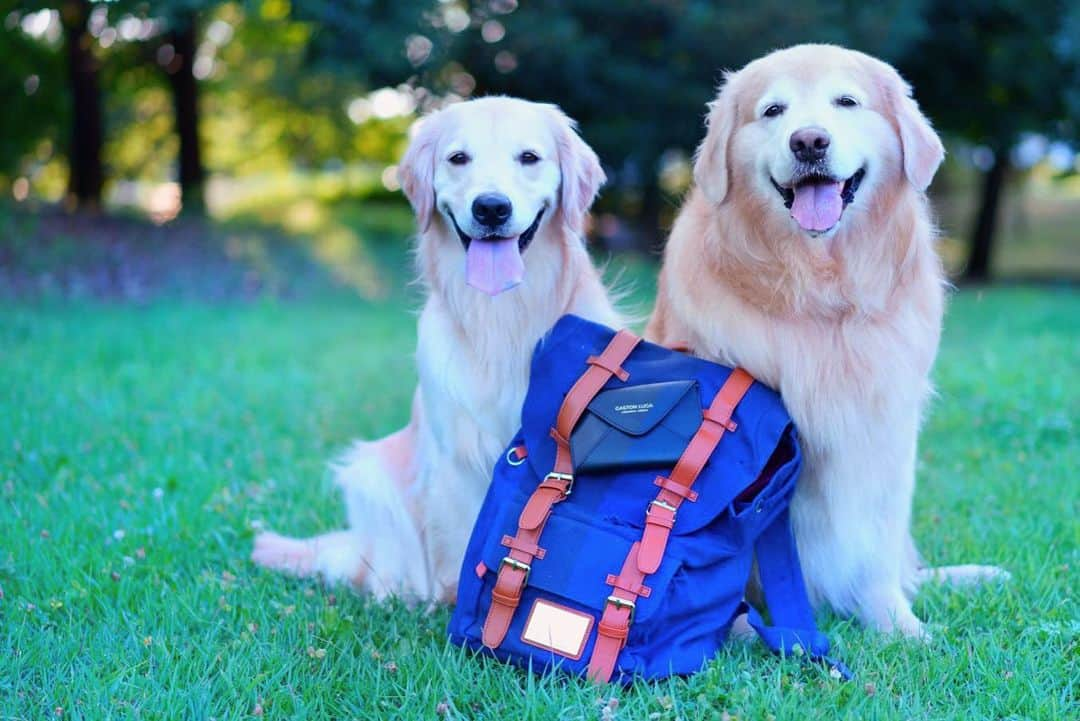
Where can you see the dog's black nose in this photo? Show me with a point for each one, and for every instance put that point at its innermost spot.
(491, 209)
(809, 144)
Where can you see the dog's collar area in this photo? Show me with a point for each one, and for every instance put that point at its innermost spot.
(847, 194)
(523, 240)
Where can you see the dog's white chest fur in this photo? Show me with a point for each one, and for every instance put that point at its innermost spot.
(472, 388)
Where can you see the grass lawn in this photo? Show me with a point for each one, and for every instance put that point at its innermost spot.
(142, 445)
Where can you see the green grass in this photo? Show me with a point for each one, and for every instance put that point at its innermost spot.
(141, 446)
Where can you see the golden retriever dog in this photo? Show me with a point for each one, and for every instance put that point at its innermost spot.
(501, 188)
(805, 254)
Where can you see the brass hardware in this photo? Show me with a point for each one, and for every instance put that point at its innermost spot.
(514, 563)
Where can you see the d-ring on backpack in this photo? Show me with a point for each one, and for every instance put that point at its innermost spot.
(618, 533)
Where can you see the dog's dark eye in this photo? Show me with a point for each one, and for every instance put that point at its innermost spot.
(458, 158)
(846, 101)
(774, 110)
(528, 158)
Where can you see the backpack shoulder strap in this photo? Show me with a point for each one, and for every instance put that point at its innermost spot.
(785, 593)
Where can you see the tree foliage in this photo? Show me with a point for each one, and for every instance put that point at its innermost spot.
(635, 75)
(991, 70)
(34, 82)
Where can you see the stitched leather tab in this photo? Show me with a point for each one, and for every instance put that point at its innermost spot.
(679, 490)
(628, 585)
(605, 363)
(523, 545)
(721, 415)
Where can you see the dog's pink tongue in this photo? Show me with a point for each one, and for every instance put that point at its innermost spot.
(817, 206)
(493, 266)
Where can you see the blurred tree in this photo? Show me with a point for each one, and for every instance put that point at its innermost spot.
(991, 70)
(87, 131)
(86, 176)
(164, 34)
(183, 37)
(635, 75)
(173, 46)
(33, 79)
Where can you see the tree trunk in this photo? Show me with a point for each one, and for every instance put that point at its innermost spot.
(984, 234)
(86, 177)
(185, 91)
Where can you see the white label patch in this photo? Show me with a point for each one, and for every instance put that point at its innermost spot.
(557, 628)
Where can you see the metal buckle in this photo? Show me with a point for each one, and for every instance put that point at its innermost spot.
(510, 457)
(519, 565)
(663, 504)
(623, 603)
(568, 477)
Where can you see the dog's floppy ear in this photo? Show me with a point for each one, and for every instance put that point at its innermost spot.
(582, 175)
(923, 151)
(417, 169)
(710, 161)
(922, 148)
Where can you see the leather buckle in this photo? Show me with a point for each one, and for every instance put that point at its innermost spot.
(519, 565)
(623, 603)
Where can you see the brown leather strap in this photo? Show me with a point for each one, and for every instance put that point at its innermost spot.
(614, 626)
(601, 369)
(716, 421)
(645, 556)
(524, 547)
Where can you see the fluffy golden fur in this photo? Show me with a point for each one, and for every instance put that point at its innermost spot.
(844, 321)
(412, 497)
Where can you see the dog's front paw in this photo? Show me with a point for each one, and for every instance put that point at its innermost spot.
(917, 631)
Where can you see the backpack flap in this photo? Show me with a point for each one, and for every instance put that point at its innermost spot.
(639, 426)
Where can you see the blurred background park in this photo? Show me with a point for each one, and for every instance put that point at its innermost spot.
(145, 141)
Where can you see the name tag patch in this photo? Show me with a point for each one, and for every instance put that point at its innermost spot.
(557, 628)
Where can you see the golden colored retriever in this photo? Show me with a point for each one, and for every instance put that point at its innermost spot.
(805, 254)
(501, 188)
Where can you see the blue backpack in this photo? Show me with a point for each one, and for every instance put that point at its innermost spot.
(618, 534)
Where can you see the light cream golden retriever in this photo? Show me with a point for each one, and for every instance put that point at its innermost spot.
(805, 254)
(501, 188)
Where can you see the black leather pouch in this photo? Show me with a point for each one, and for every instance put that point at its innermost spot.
(636, 427)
